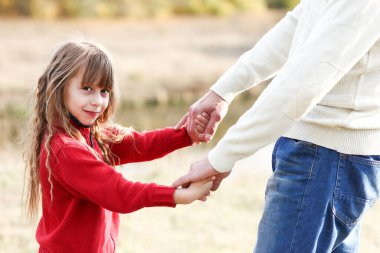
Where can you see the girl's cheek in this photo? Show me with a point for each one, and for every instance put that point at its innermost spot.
(105, 107)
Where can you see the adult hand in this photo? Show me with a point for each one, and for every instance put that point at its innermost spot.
(212, 104)
(201, 170)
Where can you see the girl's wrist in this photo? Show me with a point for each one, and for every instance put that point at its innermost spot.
(181, 197)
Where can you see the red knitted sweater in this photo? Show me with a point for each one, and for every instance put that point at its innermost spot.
(88, 194)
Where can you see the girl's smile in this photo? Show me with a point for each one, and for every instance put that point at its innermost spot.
(93, 114)
(85, 102)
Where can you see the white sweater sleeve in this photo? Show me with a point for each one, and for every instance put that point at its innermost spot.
(345, 32)
(261, 62)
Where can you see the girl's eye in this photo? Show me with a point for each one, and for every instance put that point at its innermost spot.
(105, 91)
(86, 88)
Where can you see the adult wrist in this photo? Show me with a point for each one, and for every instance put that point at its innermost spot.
(218, 161)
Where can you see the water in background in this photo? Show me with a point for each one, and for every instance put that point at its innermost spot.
(160, 116)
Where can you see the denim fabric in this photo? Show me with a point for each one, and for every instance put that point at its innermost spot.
(315, 199)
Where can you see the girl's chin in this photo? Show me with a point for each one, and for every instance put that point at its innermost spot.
(89, 123)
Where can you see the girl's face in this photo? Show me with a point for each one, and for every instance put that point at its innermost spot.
(86, 102)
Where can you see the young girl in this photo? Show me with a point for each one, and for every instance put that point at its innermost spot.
(72, 150)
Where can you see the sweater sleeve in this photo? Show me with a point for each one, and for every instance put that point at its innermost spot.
(344, 34)
(86, 176)
(262, 62)
(149, 145)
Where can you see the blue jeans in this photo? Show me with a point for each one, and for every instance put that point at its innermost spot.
(315, 199)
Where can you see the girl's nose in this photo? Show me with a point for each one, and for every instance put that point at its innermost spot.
(96, 99)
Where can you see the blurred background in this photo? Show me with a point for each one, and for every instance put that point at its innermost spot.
(166, 54)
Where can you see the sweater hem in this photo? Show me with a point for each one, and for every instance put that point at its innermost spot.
(343, 140)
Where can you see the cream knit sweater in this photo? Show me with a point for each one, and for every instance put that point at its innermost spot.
(324, 58)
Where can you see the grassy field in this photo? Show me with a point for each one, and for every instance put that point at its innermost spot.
(154, 62)
(226, 223)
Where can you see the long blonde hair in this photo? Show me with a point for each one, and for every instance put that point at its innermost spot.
(50, 113)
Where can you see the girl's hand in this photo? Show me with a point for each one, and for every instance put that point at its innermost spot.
(201, 121)
(211, 104)
(197, 190)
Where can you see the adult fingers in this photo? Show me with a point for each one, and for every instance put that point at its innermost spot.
(218, 180)
(216, 184)
(183, 181)
(215, 118)
(192, 129)
(203, 198)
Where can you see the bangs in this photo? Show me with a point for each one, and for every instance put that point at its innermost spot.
(98, 70)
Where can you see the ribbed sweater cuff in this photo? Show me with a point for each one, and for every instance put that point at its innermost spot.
(181, 138)
(219, 161)
(227, 87)
(163, 196)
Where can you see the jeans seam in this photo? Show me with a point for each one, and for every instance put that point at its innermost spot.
(363, 161)
(303, 198)
(334, 192)
(274, 153)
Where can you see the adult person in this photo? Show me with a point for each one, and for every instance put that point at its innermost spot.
(323, 107)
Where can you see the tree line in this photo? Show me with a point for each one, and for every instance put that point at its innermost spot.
(132, 8)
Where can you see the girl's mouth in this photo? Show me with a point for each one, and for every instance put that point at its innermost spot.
(92, 114)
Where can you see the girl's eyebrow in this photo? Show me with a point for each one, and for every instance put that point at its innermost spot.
(83, 84)
(87, 84)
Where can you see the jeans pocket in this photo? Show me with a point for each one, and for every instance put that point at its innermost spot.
(357, 187)
(294, 158)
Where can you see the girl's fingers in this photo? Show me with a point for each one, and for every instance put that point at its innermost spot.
(200, 129)
(204, 197)
(200, 126)
(200, 123)
(203, 118)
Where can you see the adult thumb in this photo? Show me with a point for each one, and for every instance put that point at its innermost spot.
(183, 181)
(182, 122)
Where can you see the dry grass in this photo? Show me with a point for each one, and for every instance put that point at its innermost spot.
(226, 223)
